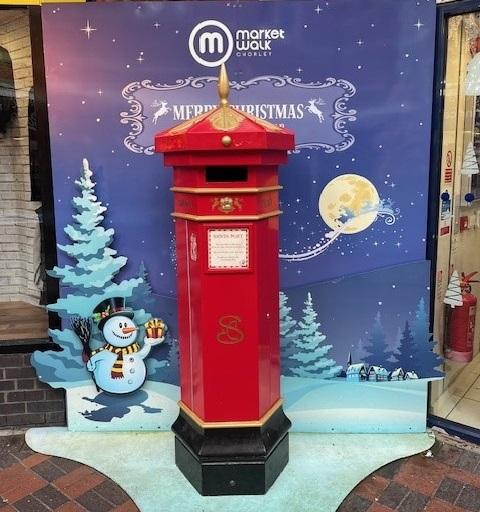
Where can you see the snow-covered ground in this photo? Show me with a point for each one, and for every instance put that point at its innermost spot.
(315, 405)
(154, 407)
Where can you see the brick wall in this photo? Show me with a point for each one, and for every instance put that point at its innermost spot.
(24, 400)
(19, 227)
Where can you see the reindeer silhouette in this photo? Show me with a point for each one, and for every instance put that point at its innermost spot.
(313, 109)
(162, 111)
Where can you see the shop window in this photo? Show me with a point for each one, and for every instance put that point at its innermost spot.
(22, 272)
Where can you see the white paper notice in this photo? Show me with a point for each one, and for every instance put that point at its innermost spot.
(228, 248)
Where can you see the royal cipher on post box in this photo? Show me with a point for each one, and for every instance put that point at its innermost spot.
(231, 435)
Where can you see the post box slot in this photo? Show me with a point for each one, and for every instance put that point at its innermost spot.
(219, 174)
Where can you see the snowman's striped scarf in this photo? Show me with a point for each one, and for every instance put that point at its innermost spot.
(117, 368)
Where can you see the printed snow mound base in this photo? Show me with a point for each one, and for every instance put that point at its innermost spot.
(323, 468)
(313, 405)
(334, 405)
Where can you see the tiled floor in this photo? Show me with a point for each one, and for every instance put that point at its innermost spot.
(460, 401)
(31, 482)
(447, 481)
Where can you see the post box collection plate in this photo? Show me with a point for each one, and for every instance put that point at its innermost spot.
(228, 249)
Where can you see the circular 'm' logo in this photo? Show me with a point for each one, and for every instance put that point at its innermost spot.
(210, 43)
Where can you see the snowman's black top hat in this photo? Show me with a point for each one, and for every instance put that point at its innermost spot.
(109, 308)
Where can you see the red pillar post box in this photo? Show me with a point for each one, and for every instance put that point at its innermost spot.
(231, 436)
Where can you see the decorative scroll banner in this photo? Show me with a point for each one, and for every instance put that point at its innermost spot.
(317, 111)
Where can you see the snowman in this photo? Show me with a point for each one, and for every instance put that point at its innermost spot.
(118, 367)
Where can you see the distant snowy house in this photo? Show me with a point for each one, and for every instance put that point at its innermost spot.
(357, 372)
(410, 375)
(397, 374)
(377, 373)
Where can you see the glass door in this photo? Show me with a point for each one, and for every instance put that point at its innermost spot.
(457, 397)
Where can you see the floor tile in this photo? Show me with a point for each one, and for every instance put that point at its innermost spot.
(393, 495)
(94, 502)
(89, 481)
(376, 507)
(372, 487)
(449, 490)
(65, 465)
(51, 497)
(421, 474)
(448, 454)
(24, 486)
(445, 403)
(30, 504)
(7, 459)
(466, 412)
(48, 471)
(474, 392)
(129, 506)
(112, 492)
(464, 476)
(463, 383)
(34, 459)
(71, 506)
(468, 461)
(437, 505)
(469, 498)
(413, 502)
(390, 470)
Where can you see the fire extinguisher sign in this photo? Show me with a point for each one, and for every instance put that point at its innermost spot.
(448, 171)
(446, 196)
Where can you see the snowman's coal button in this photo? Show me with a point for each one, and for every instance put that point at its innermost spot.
(132, 370)
(131, 359)
(130, 381)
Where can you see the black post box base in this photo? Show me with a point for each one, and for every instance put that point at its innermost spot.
(233, 460)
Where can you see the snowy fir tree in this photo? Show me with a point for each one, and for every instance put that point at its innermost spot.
(472, 80)
(287, 344)
(142, 294)
(407, 357)
(470, 164)
(391, 350)
(377, 343)
(311, 352)
(96, 261)
(89, 280)
(421, 324)
(453, 295)
(164, 365)
(360, 352)
(426, 360)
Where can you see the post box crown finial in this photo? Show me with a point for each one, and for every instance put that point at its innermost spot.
(223, 86)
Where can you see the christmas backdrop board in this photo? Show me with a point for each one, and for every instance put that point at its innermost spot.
(355, 89)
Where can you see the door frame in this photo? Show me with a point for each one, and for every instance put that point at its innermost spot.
(444, 12)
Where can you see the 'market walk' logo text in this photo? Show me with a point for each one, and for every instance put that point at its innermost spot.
(211, 42)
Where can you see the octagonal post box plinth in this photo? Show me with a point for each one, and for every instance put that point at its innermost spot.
(231, 435)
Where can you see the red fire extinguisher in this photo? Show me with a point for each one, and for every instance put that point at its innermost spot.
(461, 327)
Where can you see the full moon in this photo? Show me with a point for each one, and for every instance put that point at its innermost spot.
(350, 203)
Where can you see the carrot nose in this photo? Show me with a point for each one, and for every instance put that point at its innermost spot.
(128, 330)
